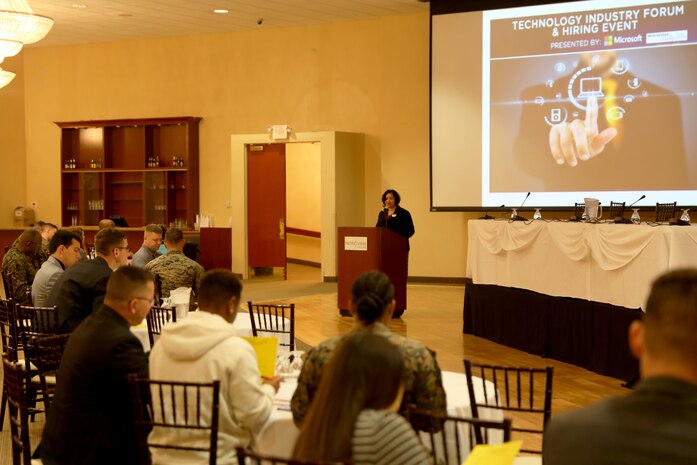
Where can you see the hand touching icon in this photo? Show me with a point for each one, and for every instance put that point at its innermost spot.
(579, 140)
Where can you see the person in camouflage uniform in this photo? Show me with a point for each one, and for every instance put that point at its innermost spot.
(175, 269)
(18, 270)
(47, 231)
(372, 304)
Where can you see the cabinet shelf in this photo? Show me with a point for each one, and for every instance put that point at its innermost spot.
(125, 185)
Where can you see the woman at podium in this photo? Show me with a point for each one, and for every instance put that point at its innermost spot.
(395, 217)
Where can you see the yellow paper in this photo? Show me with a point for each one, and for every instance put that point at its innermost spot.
(498, 454)
(266, 349)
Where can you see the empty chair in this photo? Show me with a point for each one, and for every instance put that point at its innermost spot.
(19, 408)
(665, 211)
(249, 457)
(181, 412)
(526, 392)
(616, 210)
(48, 352)
(459, 436)
(8, 336)
(157, 318)
(274, 319)
(579, 208)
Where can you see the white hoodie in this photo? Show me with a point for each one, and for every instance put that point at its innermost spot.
(203, 348)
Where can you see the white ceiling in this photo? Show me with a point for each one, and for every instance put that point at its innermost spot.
(113, 20)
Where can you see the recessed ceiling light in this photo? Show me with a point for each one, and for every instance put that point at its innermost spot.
(221, 12)
(80, 6)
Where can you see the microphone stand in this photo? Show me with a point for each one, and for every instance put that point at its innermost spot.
(517, 217)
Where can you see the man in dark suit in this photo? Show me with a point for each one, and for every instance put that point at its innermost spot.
(657, 422)
(80, 290)
(91, 418)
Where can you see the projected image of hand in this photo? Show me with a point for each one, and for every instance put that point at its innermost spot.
(579, 140)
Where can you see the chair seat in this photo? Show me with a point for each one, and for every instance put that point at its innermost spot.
(50, 380)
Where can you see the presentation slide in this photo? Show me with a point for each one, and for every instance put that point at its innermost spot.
(566, 101)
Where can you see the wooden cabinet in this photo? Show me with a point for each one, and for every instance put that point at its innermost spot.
(145, 170)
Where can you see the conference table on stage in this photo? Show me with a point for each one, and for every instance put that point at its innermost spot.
(568, 290)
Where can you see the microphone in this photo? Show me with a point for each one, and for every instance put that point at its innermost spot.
(640, 198)
(486, 214)
(515, 216)
(384, 212)
(622, 219)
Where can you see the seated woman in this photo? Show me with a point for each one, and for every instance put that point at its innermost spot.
(353, 416)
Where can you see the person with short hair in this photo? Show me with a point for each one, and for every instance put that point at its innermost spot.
(91, 416)
(372, 303)
(175, 269)
(152, 239)
(80, 290)
(106, 223)
(353, 415)
(18, 268)
(202, 348)
(47, 231)
(64, 247)
(656, 422)
(79, 232)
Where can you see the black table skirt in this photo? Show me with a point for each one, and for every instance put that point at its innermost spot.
(588, 334)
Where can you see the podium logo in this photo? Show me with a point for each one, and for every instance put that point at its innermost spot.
(359, 243)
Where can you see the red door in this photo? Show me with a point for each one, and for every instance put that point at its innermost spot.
(266, 205)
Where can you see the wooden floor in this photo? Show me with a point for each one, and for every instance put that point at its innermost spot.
(434, 316)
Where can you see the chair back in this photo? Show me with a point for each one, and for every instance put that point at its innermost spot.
(616, 210)
(48, 352)
(453, 444)
(278, 319)
(8, 332)
(157, 318)
(579, 208)
(177, 409)
(665, 211)
(18, 403)
(249, 457)
(525, 392)
(35, 321)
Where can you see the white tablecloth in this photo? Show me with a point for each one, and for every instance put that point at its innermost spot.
(277, 437)
(242, 325)
(611, 263)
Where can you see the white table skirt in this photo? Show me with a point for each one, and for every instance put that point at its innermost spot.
(610, 263)
(242, 325)
(278, 436)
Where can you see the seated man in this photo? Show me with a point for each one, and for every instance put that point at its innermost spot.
(64, 248)
(152, 239)
(18, 270)
(657, 422)
(203, 348)
(80, 290)
(175, 269)
(372, 303)
(47, 231)
(91, 416)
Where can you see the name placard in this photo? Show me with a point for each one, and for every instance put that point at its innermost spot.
(359, 243)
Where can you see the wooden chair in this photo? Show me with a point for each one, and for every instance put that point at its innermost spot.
(48, 352)
(175, 407)
(8, 336)
(665, 212)
(278, 319)
(579, 208)
(249, 457)
(525, 391)
(459, 436)
(19, 409)
(157, 318)
(616, 210)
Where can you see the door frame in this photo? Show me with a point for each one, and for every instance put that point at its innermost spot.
(342, 197)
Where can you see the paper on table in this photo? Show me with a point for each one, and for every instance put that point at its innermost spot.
(266, 348)
(497, 454)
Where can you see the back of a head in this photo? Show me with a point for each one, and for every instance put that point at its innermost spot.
(106, 223)
(174, 236)
(108, 239)
(217, 288)
(28, 235)
(62, 237)
(670, 320)
(365, 372)
(371, 293)
(127, 282)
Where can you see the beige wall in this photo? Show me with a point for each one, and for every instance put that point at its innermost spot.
(367, 77)
(12, 146)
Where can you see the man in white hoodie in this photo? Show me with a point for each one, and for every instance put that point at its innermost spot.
(203, 348)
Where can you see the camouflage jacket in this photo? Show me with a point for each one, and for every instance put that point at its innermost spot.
(42, 255)
(423, 386)
(176, 270)
(18, 268)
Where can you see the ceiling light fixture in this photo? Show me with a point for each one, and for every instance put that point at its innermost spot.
(221, 11)
(5, 77)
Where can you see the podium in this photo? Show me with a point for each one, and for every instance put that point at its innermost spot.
(364, 249)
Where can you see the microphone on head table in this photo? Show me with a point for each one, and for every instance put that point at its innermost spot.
(516, 216)
(486, 213)
(643, 196)
(622, 219)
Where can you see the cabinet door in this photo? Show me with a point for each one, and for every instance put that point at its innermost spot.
(155, 197)
(91, 198)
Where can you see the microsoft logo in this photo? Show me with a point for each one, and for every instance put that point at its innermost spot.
(608, 41)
